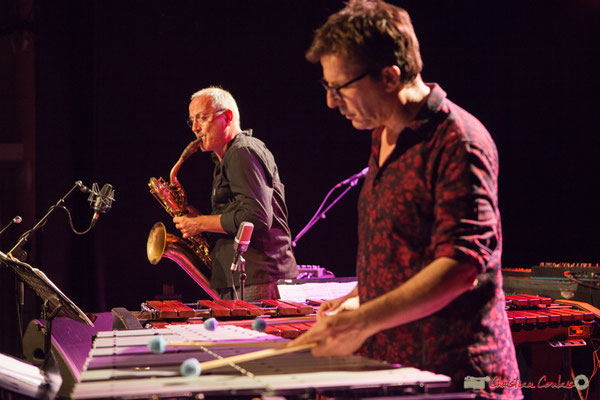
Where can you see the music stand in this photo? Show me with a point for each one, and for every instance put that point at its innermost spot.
(55, 303)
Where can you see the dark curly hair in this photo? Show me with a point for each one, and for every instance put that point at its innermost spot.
(371, 33)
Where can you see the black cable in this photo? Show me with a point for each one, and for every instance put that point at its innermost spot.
(59, 204)
(233, 286)
(71, 222)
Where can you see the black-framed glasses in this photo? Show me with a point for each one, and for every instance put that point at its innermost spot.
(202, 118)
(335, 90)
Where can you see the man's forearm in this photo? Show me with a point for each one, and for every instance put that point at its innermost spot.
(209, 223)
(427, 292)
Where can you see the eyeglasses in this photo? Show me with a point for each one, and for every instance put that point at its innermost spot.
(335, 90)
(202, 118)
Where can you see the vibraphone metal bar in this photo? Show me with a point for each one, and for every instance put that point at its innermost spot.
(538, 319)
(120, 363)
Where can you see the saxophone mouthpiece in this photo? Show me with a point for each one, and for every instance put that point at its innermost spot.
(191, 148)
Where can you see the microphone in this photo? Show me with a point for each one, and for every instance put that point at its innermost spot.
(241, 242)
(15, 220)
(242, 239)
(353, 180)
(101, 200)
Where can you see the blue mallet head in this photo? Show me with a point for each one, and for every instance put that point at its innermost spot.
(211, 324)
(190, 367)
(157, 344)
(259, 324)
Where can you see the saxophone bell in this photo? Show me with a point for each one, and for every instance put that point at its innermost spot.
(157, 242)
(162, 244)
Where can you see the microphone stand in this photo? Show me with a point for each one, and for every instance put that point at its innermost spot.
(239, 262)
(15, 220)
(321, 215)
(25, 236)
(243, 276)
(59, 204)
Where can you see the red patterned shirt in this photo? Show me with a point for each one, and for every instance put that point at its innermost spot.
(436, 196)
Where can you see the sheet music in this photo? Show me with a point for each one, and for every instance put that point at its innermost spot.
(317, 290)
(80, 313)
(46, 289)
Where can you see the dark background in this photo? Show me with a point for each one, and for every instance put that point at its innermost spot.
(98, 91)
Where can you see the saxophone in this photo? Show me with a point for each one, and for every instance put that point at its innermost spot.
(192, 254)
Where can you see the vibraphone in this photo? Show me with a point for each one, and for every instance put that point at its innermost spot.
(120, 364)
(539, 319)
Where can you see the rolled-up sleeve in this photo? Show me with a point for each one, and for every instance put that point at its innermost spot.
(466, 224)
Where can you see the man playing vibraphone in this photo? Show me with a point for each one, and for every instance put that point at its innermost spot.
(428, 262)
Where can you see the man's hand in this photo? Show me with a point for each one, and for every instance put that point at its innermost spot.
(348, 302)
(189, 226)
(336, 335)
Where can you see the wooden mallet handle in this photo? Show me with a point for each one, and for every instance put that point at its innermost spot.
(256, 355)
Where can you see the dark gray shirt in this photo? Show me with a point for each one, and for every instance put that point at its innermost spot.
(246, 187)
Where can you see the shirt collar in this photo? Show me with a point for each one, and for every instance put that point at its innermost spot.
(430, 112)
(247, 132)
(425, 122)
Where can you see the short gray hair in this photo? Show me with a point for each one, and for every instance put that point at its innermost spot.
(221, 99)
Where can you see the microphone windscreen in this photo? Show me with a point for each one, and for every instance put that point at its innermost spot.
(242, 239)
(106, 189)
(245, 231)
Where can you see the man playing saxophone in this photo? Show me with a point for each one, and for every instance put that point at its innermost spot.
(246, 188)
